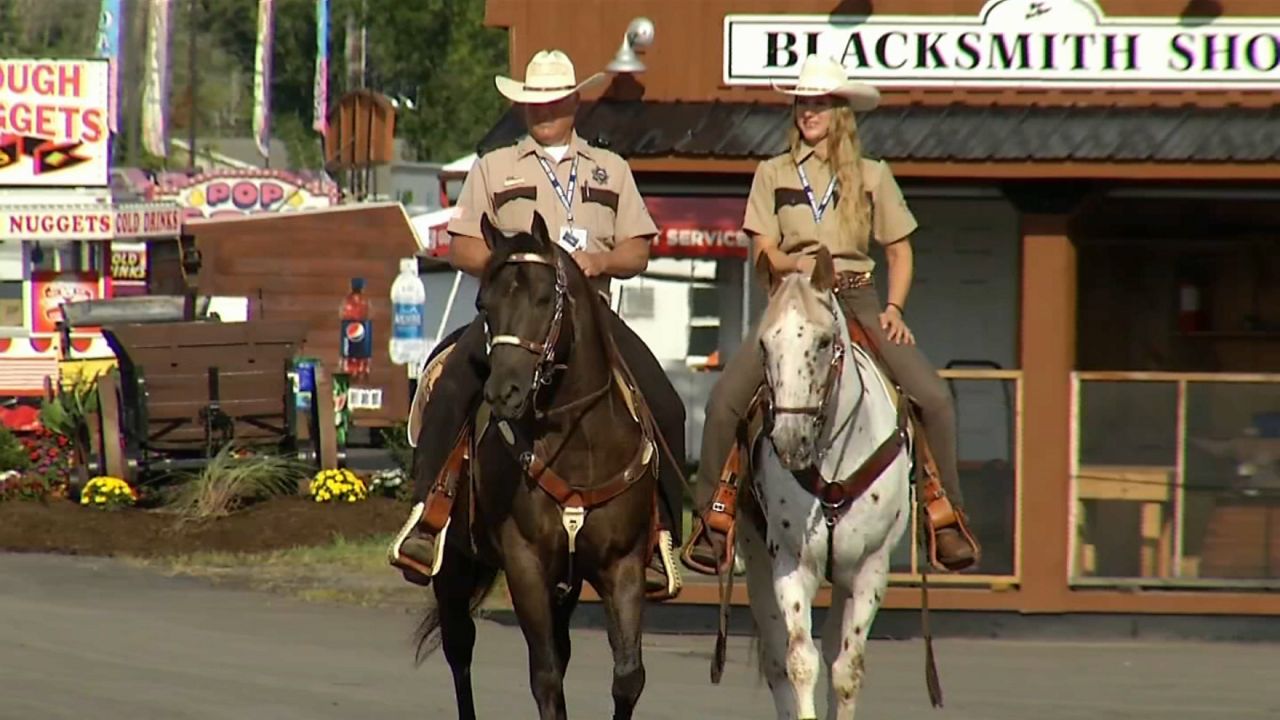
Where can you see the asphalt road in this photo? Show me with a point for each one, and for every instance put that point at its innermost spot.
(95, 638)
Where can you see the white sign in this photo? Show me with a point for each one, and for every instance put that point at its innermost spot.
(89, 222)
(1012, 43)
(53, 122)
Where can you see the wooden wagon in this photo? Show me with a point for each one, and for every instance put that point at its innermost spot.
(182, 391)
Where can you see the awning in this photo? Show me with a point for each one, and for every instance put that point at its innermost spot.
(89, 221)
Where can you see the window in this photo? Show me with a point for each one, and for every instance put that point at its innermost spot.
(637, 303)
(704, 322)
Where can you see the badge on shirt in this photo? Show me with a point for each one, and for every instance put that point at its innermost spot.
(573, 239)
(600, 175)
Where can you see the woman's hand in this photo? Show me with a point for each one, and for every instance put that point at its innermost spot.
(895, 328)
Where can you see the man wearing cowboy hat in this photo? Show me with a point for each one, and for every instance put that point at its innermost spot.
(590, 201)
(823, 193)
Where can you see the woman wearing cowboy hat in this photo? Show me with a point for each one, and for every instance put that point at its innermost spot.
(589, 199)
(822, 192)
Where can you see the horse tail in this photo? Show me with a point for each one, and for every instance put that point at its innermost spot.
(427, 637)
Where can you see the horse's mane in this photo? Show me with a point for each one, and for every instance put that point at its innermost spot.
(793, 287)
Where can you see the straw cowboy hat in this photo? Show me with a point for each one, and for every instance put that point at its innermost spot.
(548, 77)
(824, 76)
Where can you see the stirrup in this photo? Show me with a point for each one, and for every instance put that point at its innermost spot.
(404, 562)
(666, 555)
(701, 529)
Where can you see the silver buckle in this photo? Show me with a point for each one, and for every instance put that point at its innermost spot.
(718, 506)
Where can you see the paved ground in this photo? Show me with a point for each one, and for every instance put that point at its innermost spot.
(95, 638)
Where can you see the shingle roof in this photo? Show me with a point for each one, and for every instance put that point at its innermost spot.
(955, 132)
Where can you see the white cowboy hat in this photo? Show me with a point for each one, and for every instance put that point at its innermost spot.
(548, 77)
(824, 76)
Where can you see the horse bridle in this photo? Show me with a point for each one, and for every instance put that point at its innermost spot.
(545, 350)
(816, 412)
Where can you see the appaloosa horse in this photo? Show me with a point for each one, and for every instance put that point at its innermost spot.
(831, 493)
(563, 477)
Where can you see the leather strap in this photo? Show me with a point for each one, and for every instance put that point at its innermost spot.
(445, 491)
(568, 496)
(836, 497)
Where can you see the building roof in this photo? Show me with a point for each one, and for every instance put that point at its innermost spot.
(955, 132)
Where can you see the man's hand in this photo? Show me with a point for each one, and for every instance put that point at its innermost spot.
(592, 264)
(895, 328)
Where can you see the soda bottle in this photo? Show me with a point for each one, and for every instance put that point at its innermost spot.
(357, 333)
(408, 304)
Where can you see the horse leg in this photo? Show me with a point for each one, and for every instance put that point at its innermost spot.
(531, 597)
(454, 585)
(831, 640)
(771, 631)
(869, 583)
(622, 591)
(563, 612)
(794, 586)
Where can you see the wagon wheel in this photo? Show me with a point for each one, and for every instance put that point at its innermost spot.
(111, 448)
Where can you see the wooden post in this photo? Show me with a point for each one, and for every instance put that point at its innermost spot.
(1048, 342)
(326, 432)
(109, 406)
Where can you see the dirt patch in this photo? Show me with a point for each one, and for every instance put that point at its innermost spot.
(276, 524)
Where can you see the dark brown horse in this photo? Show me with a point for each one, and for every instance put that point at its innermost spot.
(563, 477)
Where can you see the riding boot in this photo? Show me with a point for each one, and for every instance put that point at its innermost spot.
(722, 471)
(418, 548)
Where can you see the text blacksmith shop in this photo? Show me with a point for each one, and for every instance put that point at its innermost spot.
(1097, 263)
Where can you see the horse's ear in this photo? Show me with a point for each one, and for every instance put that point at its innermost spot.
(539, 230)
(491, 234)
(824, 271)
(765, 272)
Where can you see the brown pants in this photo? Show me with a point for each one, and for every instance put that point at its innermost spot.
(907, 364)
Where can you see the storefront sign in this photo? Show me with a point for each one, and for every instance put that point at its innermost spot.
(1012, 43)
(89, 222)
(238, 193)
(50, 290)
(53, 122)
(128, 262)
(711, 244)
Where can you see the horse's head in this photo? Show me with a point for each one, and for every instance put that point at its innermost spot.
(524, 300)
(803, 347)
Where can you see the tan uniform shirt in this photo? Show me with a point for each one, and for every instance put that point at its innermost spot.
(778, 208)
(510, 184)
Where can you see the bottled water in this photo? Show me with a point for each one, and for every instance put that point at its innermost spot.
(408, 307)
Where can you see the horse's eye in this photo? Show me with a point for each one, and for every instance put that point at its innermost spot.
(824, 343)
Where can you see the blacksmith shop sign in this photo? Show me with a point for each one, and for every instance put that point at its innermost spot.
(1012, 43)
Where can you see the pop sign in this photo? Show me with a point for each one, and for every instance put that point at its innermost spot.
(239, 193)
(53, 122)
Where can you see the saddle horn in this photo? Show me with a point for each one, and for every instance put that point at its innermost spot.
(824, 271)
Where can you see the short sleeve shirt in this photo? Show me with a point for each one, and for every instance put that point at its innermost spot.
(779, 208)
(510, 184)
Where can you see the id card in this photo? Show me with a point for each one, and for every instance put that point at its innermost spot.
(573, 239)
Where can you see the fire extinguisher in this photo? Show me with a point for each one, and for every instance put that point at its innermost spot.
(1190, 314)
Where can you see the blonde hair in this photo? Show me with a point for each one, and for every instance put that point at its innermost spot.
(844, 157)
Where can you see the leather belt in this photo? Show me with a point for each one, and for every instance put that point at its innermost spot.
(852, 280)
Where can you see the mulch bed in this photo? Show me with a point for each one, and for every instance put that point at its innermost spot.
(60, 526)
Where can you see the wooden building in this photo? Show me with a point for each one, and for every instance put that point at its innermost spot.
(1098, 262)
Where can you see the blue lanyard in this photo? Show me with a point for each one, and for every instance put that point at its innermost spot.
(566, 198)
(818, 210)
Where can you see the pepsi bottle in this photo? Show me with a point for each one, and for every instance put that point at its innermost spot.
(357, 333)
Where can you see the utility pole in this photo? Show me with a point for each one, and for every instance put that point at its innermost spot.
(193, 21)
